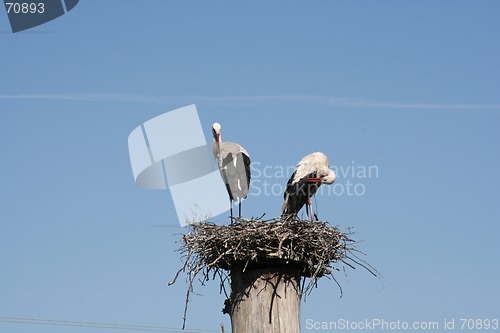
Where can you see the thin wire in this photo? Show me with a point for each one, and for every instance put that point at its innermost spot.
(41, 321)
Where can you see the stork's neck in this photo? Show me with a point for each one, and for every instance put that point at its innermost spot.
(217, 148)
(217, 137)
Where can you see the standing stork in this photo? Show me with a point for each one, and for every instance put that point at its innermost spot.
(234, 167)
(312, 171)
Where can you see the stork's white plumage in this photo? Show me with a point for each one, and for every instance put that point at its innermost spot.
(312, 171)
(234, 167)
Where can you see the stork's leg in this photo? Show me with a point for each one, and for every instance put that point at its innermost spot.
(239, 209)
(314, 216)
(231, 209)
(309, 202)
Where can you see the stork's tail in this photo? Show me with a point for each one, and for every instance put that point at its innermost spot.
(286, 211)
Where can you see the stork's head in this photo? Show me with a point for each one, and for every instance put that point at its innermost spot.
(216, 131)
(329, 178)
(324, 176)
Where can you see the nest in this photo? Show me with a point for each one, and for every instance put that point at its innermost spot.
(313, 249)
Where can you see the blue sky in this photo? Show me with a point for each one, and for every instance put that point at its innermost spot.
(411, 88)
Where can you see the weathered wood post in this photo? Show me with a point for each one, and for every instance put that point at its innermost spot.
(265, 300)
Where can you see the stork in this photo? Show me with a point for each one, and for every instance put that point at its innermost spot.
(312, 171)
(234, 167)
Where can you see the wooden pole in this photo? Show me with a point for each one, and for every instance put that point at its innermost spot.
(265, 300)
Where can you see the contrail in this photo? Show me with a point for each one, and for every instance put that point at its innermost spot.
(259, 99)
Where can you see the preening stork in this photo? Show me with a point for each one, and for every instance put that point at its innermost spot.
(312, 171)
(234, 166)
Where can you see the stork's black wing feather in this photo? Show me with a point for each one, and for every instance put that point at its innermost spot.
(246, 160)
(235, 172)
(297, 194)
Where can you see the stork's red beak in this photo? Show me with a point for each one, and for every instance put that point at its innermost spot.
(217, 140)
(314, 180)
